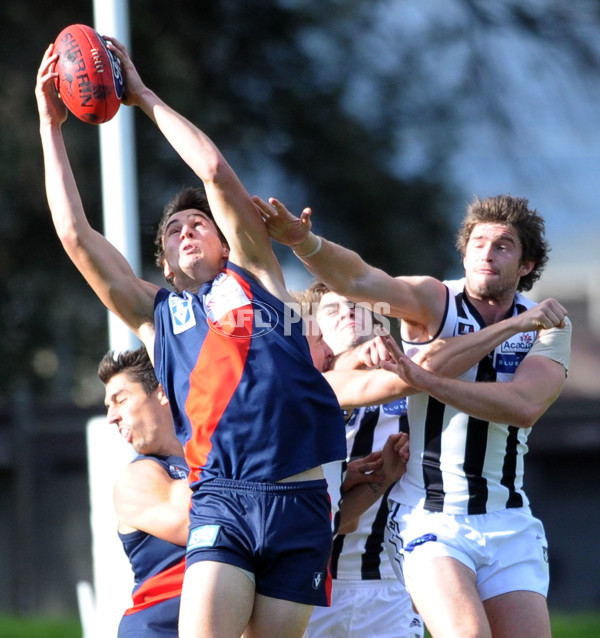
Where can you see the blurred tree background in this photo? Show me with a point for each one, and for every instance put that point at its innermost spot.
(354, 107)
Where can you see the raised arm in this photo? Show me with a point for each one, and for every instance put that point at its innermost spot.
(146, 498)
(454, 356)
(101, 264)
(536, 384)
(447, 357)
(230, 203)
(417, 300)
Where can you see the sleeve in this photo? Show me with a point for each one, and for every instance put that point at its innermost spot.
(555, 344)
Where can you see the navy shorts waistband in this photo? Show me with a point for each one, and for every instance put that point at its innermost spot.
(255, 486)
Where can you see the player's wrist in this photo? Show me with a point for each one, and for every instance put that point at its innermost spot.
(309, 247)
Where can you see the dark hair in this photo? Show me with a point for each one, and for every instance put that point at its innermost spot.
(510, 211)
(135, 364)
(187, 198)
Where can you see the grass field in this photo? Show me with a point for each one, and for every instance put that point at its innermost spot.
(572, 625)
(564, 625)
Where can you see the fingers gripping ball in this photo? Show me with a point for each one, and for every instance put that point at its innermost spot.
(89, 79)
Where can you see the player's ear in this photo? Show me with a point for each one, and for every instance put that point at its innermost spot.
(225, 250)
(162, 397)
(526, 267)
(167, 272)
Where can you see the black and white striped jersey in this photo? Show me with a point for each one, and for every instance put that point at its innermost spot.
(361, 555)
(459, 464)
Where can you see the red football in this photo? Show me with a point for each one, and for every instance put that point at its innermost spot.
(89, 75)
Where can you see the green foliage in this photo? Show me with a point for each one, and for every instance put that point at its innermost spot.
(571, 625)
(575, 625)
(564, 625)
(340, 106)
(16, 627)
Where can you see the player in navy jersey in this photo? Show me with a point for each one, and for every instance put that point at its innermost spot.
(468, 436)
(151, 495)
(256, 418)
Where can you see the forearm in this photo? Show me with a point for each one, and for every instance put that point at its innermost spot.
(356, 502)
(194, 147)
(497, 402)
(453, 356)
(340, 268)
(61, 190)
(357, 388)
(519, 402)
(230, 203)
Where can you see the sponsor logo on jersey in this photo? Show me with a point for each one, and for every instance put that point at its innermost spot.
(397, 407)
(508, 363)
(182, 315)
(518, 343)
(203, 536)
(232, 313)
(465, 328)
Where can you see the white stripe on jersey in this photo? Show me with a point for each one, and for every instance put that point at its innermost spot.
(361, 555)
(458, 464)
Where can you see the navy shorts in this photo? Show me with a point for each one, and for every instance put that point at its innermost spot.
(157, 621)
(280, 532)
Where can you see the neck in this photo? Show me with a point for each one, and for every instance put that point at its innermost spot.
(491, 310)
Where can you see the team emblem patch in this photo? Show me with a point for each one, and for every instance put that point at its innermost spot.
(182, 315)
(318, 578)
(465, 328)
(176, 472)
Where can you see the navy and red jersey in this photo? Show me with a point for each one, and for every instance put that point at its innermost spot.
(247, 401)
(158, 566)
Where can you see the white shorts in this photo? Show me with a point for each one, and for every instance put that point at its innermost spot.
(366, 609)
(507, 549)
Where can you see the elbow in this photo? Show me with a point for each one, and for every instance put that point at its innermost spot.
(70, 237)
(527, 418)
(215, 167)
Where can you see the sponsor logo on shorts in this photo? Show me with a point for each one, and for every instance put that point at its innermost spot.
(317, 581)
(426, 538)
(203, 536)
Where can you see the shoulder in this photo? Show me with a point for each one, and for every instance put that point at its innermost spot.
(555, 344)
(143, 470)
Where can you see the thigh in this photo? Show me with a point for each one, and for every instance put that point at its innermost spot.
(516, 554)
(216, 601)
(276, 617)
(518, 614)
(444, 592)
